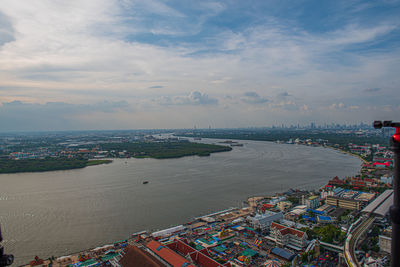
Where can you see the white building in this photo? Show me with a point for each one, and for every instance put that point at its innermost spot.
(263, 221)
(287, 236)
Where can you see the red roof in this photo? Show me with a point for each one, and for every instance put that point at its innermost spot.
(268, 206)
(181, 247)
(287, 230)
(134, 256)
(384, 159)
(387, 163)
(277, 226)
(202, 257)
(358, 183)
(167, 254)
(336, 180)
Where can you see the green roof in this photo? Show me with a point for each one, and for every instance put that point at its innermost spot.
(206, 241)
(109, 256)
(89, 262)
(249, 252)
(219, 249)
(199, 247)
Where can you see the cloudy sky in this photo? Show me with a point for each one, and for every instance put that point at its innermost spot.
(134, 64)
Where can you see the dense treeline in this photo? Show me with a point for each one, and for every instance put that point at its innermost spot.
(161, 150)
(48, 164)
(40, 165)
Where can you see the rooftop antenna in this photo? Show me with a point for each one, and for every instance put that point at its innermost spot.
(395, 208)
(5, 260)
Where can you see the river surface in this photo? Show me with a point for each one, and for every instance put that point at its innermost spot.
(61, 212)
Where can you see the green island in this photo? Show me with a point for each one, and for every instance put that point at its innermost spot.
(164, 150)
(48, 164)
(157, 150)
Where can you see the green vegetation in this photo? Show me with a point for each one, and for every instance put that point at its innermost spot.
(48, 164)
(163, 150)
(158, 150)
(98, 162)
(327, 233)
(345, 216)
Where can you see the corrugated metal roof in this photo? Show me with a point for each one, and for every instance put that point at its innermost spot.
(378, 201)
(383, 209)
(283, 253)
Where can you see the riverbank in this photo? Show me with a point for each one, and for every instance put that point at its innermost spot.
(44, 165)
(349, 153)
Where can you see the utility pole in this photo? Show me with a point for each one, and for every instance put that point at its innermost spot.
(5, 259)
(395, 208)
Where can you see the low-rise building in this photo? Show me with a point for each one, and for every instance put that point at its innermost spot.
(167, 254)
(385, 241)
(287, 236)
(343, 203)
(387, 179)
(134, 256)
(336, 181)
(263, 221)
(296, 212)
(312, 202)
(325, 193)
(284, 205)
(366, 197)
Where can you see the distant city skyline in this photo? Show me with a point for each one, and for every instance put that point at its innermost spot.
(122, 64)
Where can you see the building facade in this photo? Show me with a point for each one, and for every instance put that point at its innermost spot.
(287, 236)
(343, 203)
(312, 202)
(263, 221)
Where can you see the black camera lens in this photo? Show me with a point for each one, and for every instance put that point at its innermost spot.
(378, 124)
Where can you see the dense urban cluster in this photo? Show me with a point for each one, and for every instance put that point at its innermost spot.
(345, 220)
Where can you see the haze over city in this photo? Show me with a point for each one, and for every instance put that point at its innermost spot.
(108, 64)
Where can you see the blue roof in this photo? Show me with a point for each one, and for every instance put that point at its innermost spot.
(286, 254)
(325, 218)
(305, 217)
(316, 211)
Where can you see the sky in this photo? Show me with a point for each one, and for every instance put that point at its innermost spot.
(127, 64)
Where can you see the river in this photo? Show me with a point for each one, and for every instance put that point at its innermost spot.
(61, 212)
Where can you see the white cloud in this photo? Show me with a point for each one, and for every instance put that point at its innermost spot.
(337, 106)
(80, 52)
(254, 98)
(194, 98)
